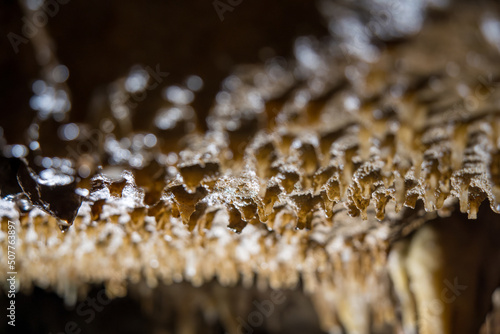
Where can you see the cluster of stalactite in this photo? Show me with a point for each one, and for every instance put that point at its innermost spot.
(310, 171)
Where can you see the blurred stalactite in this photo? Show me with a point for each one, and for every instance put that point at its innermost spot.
(101, 40)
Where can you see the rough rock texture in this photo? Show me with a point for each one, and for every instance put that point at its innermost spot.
(314, 174)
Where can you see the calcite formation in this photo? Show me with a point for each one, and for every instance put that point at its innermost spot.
(316, 174)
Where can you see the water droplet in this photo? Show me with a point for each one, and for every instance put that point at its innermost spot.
(60, 73)
(63, 226)
(150, 140)
(19, 151)
(34, 145)
(69, 131)
(178, 95)
(194, 82)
